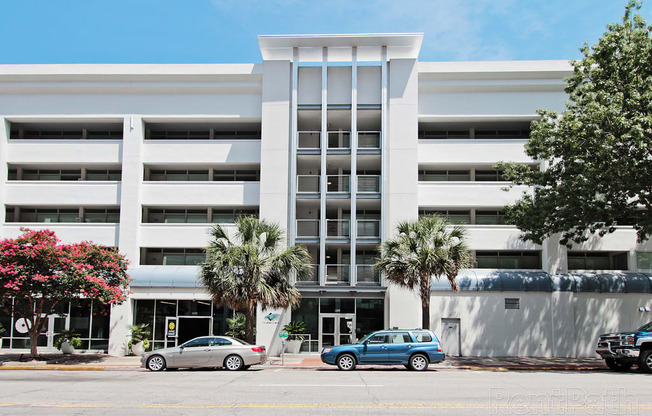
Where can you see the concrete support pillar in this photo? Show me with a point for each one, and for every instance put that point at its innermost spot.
(401, 171)
(274, 174)
(130, 218)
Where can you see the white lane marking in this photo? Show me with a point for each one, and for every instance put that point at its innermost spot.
(320, 385)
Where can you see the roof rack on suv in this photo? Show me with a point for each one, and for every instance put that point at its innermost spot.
(395, 328)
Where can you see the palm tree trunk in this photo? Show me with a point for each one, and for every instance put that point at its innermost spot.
(425, 300)
(250, 323)
(425, 315)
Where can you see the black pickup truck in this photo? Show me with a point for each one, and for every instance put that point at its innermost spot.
(621, 350)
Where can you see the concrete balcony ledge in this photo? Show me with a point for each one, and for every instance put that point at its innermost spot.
(472, 151)
(99, 233)
(67, 193)
(202, 151)
(64, 151)
(467, 194)
(232, 194)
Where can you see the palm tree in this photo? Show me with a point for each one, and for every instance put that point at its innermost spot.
(425, 248)
(249, 268)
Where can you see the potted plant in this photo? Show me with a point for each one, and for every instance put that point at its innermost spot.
(67, 340)
(296, 329)
(139, 341)
(236, 326)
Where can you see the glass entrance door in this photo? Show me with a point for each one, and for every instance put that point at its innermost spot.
(52, 328)
(336, 329)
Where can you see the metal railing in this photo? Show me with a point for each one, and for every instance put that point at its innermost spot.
(338, 228)
(307, 184)
(339, 139)
(337, 274)
(307, 228)
(338, 183)
(369, 140)
(309, 140)
(368, 228)
(367, 275)
(313, 277)
(368, 184)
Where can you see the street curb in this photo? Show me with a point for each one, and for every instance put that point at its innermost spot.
(54, 367)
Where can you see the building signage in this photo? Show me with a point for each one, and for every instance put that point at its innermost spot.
(172, 328)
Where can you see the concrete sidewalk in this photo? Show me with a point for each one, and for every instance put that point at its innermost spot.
(470, 363)
(104, 362)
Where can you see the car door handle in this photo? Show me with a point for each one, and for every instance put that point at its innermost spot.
(409, 346)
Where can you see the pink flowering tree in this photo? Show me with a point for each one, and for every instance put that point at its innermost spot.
(39, 273)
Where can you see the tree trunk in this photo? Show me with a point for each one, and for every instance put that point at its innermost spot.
(250, 323)
(425, 315)
(33, 337)
(425, 301)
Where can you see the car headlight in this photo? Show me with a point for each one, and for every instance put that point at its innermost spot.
(629, 340)
(326, 350)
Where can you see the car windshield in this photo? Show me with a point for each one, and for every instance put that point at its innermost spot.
(241, 341)
(645, 328)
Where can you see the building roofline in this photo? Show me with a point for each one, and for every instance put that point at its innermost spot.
(369, 45)
(65, 70)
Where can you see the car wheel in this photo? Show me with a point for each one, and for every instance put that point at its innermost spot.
(645, 361)
(418, 362)
(233, 363)
(346, 362)
(617, 365)
(156, 363)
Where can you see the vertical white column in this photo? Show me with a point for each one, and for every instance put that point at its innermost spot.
(4, 144)
(400, 174)
(354, 165)
(130, 219)
(294, 144)
(383, 144)
(323, 182)
(275, 173)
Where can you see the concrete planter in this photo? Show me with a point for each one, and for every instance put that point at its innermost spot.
(66, 348)
(138, 349)
(293, 347)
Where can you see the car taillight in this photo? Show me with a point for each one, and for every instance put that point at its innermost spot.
(438, 348)
(257, 349)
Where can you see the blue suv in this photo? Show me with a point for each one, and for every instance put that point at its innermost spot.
(414, 348)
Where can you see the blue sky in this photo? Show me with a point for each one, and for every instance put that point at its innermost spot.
(220, 31)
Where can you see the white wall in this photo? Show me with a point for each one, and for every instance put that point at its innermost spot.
(403, 307)
(557, 324)
(274, 169)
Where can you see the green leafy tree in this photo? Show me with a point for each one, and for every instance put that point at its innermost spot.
(426, 248)
(597, 165)
(250, 268)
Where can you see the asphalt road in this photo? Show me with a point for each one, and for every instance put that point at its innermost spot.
(275, 391)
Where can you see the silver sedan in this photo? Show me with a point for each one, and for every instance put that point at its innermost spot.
(221, 351)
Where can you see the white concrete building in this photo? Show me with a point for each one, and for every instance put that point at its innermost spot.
(334, 137)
